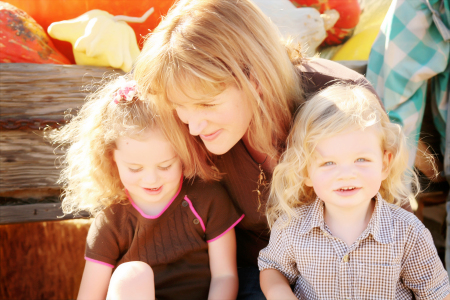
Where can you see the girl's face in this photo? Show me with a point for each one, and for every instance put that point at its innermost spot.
(220, 122)
(348, 168)
(149, 169)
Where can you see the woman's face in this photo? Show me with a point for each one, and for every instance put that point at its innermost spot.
(220, 122)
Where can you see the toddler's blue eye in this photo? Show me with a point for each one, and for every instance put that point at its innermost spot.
(328, 163)
(361, 160)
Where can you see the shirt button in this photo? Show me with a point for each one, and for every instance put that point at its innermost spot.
(345, 258)
(196, 221)
(325, 234)
(185, 203)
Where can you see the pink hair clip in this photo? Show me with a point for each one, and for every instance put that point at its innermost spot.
(126, 93)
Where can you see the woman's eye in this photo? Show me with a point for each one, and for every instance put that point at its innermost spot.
(165, 168)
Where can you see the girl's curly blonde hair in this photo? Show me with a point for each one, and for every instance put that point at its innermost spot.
(329, 112)
(89, 177)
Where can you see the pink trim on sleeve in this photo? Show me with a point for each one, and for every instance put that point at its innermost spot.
(231, 227)
(98, 262)
(195, 213)
(164, 209)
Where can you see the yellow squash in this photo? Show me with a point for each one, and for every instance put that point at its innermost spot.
(100, 39)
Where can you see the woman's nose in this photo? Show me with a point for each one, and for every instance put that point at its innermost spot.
(196, 127)
(194, 119)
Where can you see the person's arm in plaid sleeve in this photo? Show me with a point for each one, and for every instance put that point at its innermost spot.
(277, 265)
(408, 51)
(422, 270)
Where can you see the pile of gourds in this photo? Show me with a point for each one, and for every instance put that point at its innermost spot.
(97, 37)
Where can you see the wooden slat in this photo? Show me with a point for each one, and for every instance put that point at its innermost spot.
(27, 161)
(45, 90)
(34, 213)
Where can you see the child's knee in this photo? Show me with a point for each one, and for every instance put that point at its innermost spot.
(132, 280)
(132, 271)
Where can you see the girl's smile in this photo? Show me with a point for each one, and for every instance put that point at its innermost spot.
(154, 191)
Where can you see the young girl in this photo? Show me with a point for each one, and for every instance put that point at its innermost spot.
(338, 232)
(164, 232)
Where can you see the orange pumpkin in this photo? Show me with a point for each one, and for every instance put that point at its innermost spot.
(46, 12)
(349, 12)
(23, 40)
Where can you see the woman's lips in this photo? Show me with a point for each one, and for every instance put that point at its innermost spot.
(153, 191)
(210, 137)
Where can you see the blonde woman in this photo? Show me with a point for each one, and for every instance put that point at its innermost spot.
(220, 65)
(337, 229)
(164, 228)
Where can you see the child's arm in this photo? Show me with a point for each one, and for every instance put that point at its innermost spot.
(95, 281)
(222, 261)
(275, 286)
(422, 270)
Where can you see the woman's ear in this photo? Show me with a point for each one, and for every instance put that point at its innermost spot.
(387, 162)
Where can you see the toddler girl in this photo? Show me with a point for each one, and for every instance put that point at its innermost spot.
(163, 231)
(337, 229)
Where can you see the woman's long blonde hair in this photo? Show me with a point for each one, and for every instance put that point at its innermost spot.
(203, 46)
(89, 177)
(329, 112)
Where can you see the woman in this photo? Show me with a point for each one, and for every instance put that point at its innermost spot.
(220, 64)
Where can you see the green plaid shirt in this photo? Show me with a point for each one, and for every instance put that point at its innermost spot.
(412, 47)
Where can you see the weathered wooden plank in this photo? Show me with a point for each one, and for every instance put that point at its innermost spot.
(44, 90)
(27, 161)
(34, 213)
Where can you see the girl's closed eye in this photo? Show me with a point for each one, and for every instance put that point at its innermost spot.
(135, 170)
(165, 168)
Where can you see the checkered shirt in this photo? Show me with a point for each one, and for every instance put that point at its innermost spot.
(393, 258)
(413, 45)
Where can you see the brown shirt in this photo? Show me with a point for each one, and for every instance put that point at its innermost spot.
(241, 171)
(174, 243)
